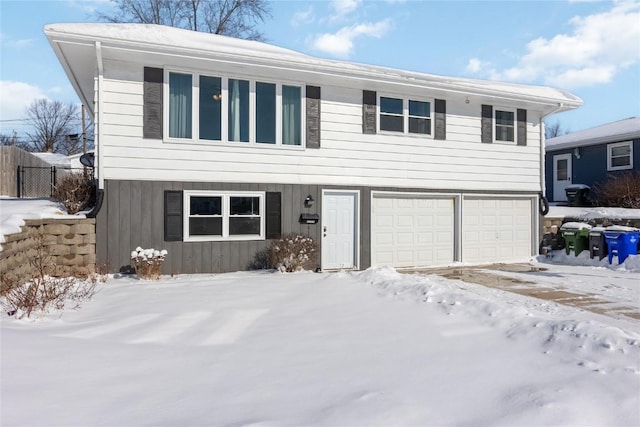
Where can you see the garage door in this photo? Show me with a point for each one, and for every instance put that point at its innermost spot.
(408, 231)
(496, 229)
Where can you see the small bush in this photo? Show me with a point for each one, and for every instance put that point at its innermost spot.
(620, 190)
(76, 191)
(147, 263)
(292, 252)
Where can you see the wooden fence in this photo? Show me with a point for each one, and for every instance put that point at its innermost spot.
(10, 158)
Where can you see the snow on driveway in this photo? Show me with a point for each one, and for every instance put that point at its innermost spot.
(345, 349)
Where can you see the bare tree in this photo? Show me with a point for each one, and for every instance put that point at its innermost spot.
(553, 130)
(234, 18)
(54, 127)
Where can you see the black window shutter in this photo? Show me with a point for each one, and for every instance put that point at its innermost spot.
(369, 102)
(522, 127)
(172, 216)
(487, 124)
(273, 221)
(152, 109)
(313, 116)
(440, 131)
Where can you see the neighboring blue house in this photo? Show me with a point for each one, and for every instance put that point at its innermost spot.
(590, 156)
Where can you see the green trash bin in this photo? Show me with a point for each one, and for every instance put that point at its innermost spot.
(576, 236)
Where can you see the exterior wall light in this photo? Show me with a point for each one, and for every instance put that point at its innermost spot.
(308, 202)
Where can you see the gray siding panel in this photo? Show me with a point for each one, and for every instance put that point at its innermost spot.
(126, 216)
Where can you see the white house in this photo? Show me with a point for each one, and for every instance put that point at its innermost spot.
(209, 146)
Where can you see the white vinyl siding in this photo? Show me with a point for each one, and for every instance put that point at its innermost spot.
(346, 154)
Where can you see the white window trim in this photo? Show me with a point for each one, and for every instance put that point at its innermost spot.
(515, 125)
(226, 195)
(610, 148)
(195, 111)
(405, 116)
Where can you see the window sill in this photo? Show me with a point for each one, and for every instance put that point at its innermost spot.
(405, 135)
(223, 239)
(619, 168)
(252, 145)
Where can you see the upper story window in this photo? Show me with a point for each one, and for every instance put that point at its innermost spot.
(214, 216)
(620, 156)
(405, 116)
(209, 108)
(505, 125)
(180, 105)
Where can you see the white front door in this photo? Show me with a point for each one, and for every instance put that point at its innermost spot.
(561, 176)
(339, 229)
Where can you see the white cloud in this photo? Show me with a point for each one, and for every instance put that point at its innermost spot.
(14, 98)
(302, 17)
(599, 46)
(90, 6)
(8, 42)
(340, 43)
(344, 7)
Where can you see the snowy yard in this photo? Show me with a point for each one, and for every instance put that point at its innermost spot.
(345, 349)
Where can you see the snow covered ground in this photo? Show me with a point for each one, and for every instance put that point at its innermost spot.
(345, 349)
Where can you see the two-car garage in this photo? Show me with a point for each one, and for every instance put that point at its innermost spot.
(412, 229)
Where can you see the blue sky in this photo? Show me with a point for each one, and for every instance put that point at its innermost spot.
(589, 48)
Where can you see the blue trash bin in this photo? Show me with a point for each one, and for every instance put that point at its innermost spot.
(621, 243)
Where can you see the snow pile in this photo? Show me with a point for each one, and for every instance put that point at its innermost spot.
(631, 263)
(591, 344)
(13, 212)
(592, 213)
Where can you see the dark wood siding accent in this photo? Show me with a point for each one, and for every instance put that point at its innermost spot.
(313, 116)
(273, 221)
(369, 111)
(487, 124)
(440, 119)
(152, 109)
(522, 127)
(172, 216)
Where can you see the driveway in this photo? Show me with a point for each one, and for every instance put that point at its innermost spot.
(550, 283)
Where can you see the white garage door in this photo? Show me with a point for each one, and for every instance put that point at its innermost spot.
(408, 231)
(496, 229)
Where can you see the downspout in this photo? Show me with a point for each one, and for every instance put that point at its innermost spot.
(97, 123)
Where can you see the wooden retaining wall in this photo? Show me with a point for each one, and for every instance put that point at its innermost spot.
(70, 243)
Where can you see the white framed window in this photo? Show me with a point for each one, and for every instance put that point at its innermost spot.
(620, 156)
(407, 116)
(505, 124)
(205, 108)
(221, 215)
